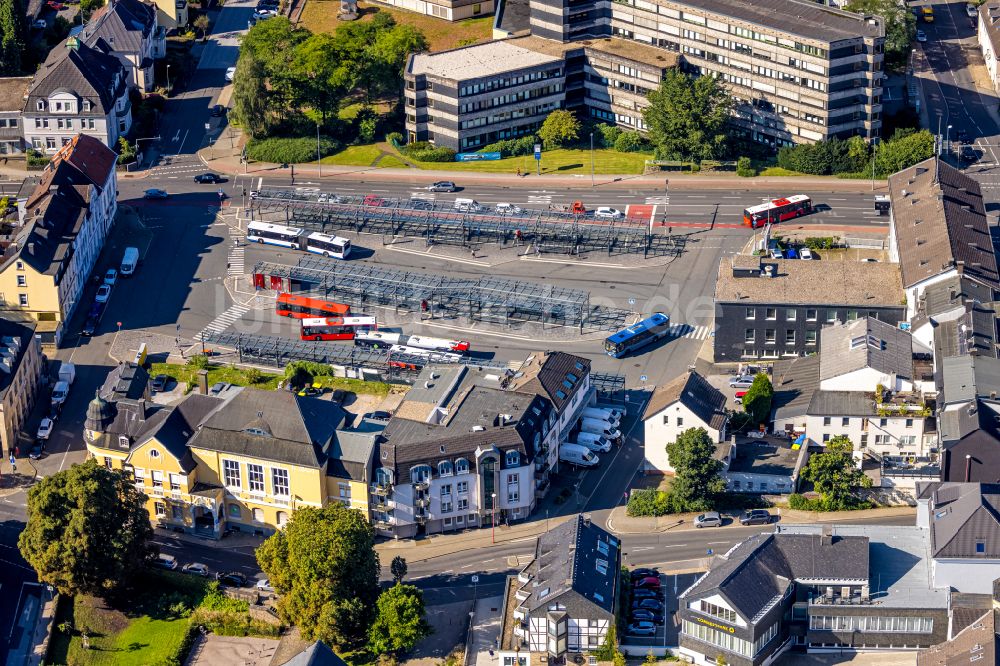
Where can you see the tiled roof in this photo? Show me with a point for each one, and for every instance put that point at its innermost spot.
(795, 381)
(865, 343)
(122, 25)
(940, 223)
(694, 392)
(555, 375)
(964, 515)
(975, 645)
(82, 70)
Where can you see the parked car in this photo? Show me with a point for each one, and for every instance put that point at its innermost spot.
(508, 209)
(790, 253)
(103, 293)
(111, 276)
(231, 578)
(210, 178)
(378, 416)
(645, 593)
(55, 6)
(45, 428)
(708, 519)
(373, 200)
(217, 388)
(155, 193)
(264, 585)
(648, 604)
(644, 573)
(37, 451)
(805, 253)
(159, 383)
(329, 197)
(743, 382)
(164, 561)
(927, 13)
(739, 397)
(417, 203)
(231, 71)
(55, 411)
(776, 253)
(642, 629)
(338, 397)
(971, 10)
(196, 568)
(441, 186)
(646, 615)
(39, 24)
(609, 213)
(218, 111)
(90, 325)
(755, 517)
(649, 582)
(921, 36)
(262, 13)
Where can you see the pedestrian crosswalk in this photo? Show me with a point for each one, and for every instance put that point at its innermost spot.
(690, 332)
(661, 200)
(225, 319)
(539, 199)
(236, 262)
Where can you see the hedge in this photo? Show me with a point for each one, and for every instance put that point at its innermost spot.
(513, 147)
(424, 151)
(282, 150)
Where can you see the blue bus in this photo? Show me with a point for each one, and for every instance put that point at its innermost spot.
(638, 335)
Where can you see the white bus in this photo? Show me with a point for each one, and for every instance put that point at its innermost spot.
(275, 234)
(383, 340)
(426, 354)
(334, 247)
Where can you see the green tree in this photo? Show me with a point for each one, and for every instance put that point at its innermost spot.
(757, 401)
(389, 53)
(87, 530)
(900, 27)
(88, 6)
(696, 480)
(834, 474)
(126, 151)
(250, 96)
(687, 116)
(326, 73)
(398, 568)
(560, 127)
(324, 566)
(201, 23)
(399, 621)
(13, 29)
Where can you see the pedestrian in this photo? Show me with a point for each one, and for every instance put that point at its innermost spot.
(519, 172)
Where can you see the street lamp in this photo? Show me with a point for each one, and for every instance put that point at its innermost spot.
(318, 163)
(493, 519)
(592, 159)
(948, 151)
(168, 79)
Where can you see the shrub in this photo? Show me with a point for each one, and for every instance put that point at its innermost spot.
(801, 502)
(652, 502)
(819, 242)
(198, 362)
(744, 168)
(423, 151)
(35, 158)
(608, 134)
(253, 375)
(290, 150)
(629, 142)
(395, 138)
(512, 147)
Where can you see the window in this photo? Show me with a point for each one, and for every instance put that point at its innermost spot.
(282, 518)
(909, 423)
(749, 335)
(234, 511)
(20, 265)
(680, 421)
(718, 611)
(790, 315)
(877, 624)
(513, 458)
(771, 313)
(22, 281)
(447, 507)
(279, 480)
(845, 422)
(980, 548)
(175, 481)
(769, 336)
(23, 300)
(344, 491)
(258, 515)
(463, 486)
(86, 105)
(445, 490)
(161, 509)
(789, 337)
(107, 462)
(831, 316)
(255, 477)
(461, 466)
(811, 314)
(666, 419)
(826, 420)
(445, 468)
(751, 313)
(810, 337)
(231, 473)
(463, 504)
(157, 478)
(513, 488)
(139, 474)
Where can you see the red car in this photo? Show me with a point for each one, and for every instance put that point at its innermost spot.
(648, 582)
(372, 200)
(57, 6)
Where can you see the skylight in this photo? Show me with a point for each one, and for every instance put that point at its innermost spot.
(561, 394)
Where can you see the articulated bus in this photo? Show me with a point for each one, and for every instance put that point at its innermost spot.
(303, 307)
(425, 355)
(777, 210)
(335, 328)
(385, 340)
(334, 247)
(638, 335)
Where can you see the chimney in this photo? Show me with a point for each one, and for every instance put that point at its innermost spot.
(865, 593)
(968, 467)
(586, 520)
(827, 537)
(203, 381)
(31, 248)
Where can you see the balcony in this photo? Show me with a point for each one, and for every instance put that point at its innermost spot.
(382, 504)
(381, 489)
(520, 613)
(421, 484)
(422, 502)
(522, 595)
(383, 524)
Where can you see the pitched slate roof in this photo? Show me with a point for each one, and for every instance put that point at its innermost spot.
(865, 343)
(179, 425)
(966, 377)
(962, 516)
(795, 381)
(975, 644)
(82, 70)
(272, 425)
(957, 423)
(576, 563)
(939, 221)
(555, 375)
(126, 380)
(694, 392)
(121, 26)
(317, 654)
(351, 452)
(22, 329)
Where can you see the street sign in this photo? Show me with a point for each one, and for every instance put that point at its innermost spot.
(631, 301)
(538, 151)
(476, 157)
(642, 378)
(475, 579)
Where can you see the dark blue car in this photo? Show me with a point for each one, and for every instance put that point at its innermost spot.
(646, 615)
(647, 604)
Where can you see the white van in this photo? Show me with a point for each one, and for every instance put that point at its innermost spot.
(616, 413)
(577, 455)
(129, 261)
(600, 415)
(164, 561)
(60, 392)
(593, 442)
(600, 428)
(467, 205)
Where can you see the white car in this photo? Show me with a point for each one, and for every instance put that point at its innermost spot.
(921, 36)
(230, 72)
(264, 585)
(262, 14)
(196, 568)
(756, 434)
(39, 24)
(609, 213)
(971, 11)
(103, 293)
(508, 209)
(45, 428)
(111, 277)
(776, 253)
(805, 253)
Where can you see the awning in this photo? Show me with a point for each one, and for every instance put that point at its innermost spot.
(801, 439)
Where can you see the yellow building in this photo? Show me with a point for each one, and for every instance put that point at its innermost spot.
(242, 461)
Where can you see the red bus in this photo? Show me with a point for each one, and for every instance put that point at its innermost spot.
(303, 307)
(335, 328)
(777, 210)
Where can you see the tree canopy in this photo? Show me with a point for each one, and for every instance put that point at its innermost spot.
(559, 128)
(757, 401)
(697, 478)
(900, 27)
(398, 568)
(324, 566)
(834, 474)
(687, 116)
(13, 30)
(87, 530)
(399, 623)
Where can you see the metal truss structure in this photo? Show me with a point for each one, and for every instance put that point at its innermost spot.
(544, 231)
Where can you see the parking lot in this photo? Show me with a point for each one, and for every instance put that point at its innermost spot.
(671, 585)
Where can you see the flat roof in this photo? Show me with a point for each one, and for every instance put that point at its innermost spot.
(479, 60)
(764, 457)
(848, 283)
(795, 17)
(899, 561)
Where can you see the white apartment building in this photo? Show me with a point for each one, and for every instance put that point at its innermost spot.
(130, 31)
(687, 402)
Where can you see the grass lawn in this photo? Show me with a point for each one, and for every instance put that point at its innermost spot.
(572, 161)
(354, 156)
(268, 381)
(321, 16)
(145, 633)
(779, 171)
(392, 162)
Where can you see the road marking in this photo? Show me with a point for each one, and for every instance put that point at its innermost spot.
(225, 319)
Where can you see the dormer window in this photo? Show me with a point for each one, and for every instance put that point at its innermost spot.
(123, 441)
(40, 105)
(86, 105)
(445, 468)
(461, 466)
(513, 458)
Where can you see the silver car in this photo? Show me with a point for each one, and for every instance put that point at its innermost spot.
(708, 519)
(442, 186)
